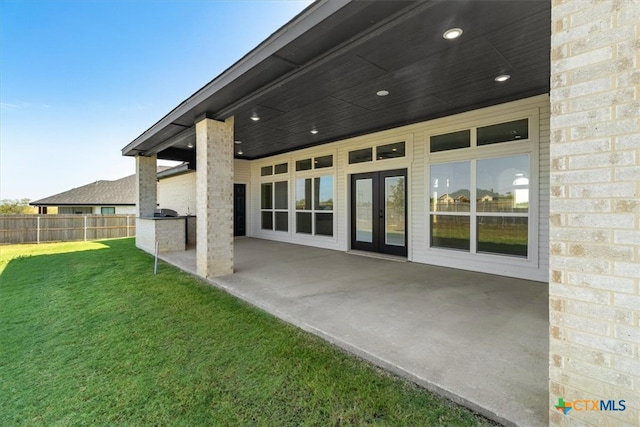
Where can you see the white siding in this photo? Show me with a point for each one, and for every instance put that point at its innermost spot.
(544, 190)
(124, 210)
(241, 171)
(417, 163)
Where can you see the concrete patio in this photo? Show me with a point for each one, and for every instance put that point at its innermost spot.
(480, 340)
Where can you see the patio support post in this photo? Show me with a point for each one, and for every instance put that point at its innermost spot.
(146, 186)
(214, 195)
(594, 286)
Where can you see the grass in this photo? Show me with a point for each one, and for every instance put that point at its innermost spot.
(88, 336)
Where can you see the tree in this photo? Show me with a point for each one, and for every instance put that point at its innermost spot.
(15, 207)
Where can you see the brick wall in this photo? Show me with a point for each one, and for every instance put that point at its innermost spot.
(214, 204)
(595, 210)
(146, 195)
(169, 233)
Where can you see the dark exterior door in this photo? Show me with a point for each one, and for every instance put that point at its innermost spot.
(379, 212)
(239, 210)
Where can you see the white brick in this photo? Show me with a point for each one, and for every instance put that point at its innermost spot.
(580, 205)
(602, 160)
(580, 235)
(628, 173)
(597, 18)
(599, 129)
(627, 301)
(580, 147)
(626, 237)
(599, 311)
(628, 79)
(611, 283)
(586, 354)
(627, 269)
(573, 119)
(600, 373)
(601, 343)
(581, 177)
(628, 111)
(627, 142)
(579, 293)
(581, 323)
(601, 220)
(627, 333)
(606, 37)
(577, 90)
(626, 365)
(602, 70)
(622, 189)
(628, 13)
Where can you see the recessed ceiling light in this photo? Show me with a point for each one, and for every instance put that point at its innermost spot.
(314, 131)
(502, 78)
(190, 145)
(452, 33)
(382, 93)
(255, 118)
(237, 142)
(240, 152)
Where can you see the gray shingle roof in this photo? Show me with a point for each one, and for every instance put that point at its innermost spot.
(119, 192)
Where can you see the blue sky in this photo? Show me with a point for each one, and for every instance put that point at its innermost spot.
(80, 79)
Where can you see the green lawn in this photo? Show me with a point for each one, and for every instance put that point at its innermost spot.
(89, 336)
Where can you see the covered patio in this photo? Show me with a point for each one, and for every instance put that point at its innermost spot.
(481, 340)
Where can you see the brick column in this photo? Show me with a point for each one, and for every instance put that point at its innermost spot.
(146, 187)
(595, 212)
(214, 197)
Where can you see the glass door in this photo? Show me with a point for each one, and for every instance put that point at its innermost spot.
(379, 212)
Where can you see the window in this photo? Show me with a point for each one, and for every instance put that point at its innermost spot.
(511, 131)
(502, 205)
(450, 202)
(517, 130)
(360, 156)
(281, 168)
(75, 210)
(323, 162)
(303, 165)
(383, 152)
(390, 151)
(107, 210)
(274, 206)
(315, 163)
(492, 205)
(451, 141)
(314, 205)
(266, 171)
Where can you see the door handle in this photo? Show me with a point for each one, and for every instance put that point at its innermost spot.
(381, 214)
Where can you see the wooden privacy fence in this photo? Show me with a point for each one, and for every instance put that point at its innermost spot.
(64, 228)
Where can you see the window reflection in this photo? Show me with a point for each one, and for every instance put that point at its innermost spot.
(503, 184)
(450, 187)
(324, 193)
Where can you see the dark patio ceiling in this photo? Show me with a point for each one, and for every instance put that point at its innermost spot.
(323, 69)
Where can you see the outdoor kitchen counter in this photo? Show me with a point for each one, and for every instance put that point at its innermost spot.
(169, 232)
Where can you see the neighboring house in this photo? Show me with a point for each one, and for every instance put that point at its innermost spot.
(109, 197)
(98, 198)
(353, 105)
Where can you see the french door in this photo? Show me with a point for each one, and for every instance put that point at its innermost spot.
(379, 212)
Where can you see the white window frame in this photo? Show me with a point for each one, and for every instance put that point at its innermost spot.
(312, 174)
(474, 153)
(273, 179)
